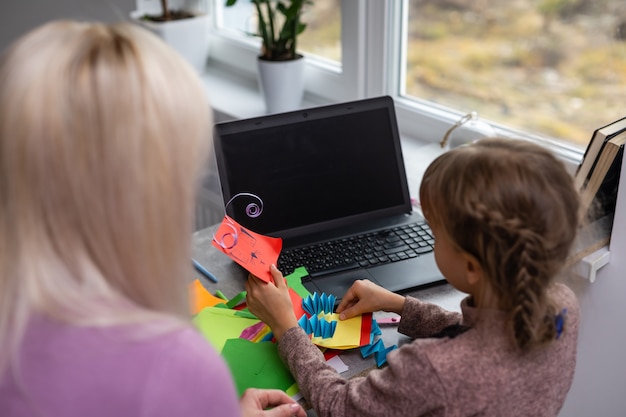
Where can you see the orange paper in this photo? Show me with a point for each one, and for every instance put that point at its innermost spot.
(199, 297)
(251, 250)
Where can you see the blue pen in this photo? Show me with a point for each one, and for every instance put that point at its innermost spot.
(203, 271)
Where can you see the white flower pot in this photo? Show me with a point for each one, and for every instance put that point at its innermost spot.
(190, 37)
(282, 84)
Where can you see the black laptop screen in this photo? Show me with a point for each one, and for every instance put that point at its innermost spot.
(311, 170)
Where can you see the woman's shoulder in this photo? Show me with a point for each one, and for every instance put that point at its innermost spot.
(159, 373)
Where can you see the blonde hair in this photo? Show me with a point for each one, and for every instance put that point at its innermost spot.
(103, 132)
(512, 205)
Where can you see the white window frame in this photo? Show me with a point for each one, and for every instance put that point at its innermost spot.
(371, 58)
(323, 79)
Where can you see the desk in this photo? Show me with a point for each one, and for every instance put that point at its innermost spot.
(232, 280)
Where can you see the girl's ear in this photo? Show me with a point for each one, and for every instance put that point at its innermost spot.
(473, 270)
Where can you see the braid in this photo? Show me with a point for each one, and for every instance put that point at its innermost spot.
(532, 320)
(532, 315)
(516, 259)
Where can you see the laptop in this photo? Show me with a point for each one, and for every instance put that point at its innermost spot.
(331, 182)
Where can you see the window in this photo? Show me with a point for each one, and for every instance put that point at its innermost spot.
(321, 38)
(552, 70)
(330, 68)
(556, 68)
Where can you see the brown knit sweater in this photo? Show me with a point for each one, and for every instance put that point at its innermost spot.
(476, 373)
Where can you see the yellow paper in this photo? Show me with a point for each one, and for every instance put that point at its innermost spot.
(347, 334)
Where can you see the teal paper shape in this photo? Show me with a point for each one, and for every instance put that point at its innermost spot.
(379, 351)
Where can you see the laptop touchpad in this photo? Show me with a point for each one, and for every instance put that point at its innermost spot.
(336, 284)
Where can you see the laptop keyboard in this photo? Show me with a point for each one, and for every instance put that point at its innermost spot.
(360, 251)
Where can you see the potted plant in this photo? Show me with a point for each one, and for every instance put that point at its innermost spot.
(182, 24)
(280, 66)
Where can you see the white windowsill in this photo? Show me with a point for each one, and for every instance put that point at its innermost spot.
(588, 267)
(237, 96)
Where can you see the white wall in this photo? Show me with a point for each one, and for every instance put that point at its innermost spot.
(20, 16)
(599, 387)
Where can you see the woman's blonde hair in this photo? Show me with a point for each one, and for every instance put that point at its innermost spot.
(512, 205)
(103, 134)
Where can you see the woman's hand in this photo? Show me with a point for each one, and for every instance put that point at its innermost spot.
(254, 402)
(366, 297)
(270, 302)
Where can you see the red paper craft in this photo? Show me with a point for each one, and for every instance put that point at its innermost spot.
(251, 250)
(296, 301)
(366, 328)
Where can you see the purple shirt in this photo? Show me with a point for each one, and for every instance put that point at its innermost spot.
(86, 371)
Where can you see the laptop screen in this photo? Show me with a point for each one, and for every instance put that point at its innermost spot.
(313, 169)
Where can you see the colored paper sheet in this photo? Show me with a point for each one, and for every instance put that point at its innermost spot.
(199, 297)
(296, 302)
(294, 281)
(366, 329)
(339, 365)
(237, 300)
(253, 251)
(256, 333)
(347, 335)
(256, 365)
(218, 325)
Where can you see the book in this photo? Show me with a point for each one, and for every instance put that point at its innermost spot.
(602, 183)
(598, 139)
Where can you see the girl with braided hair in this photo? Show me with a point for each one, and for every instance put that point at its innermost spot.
(504, 214)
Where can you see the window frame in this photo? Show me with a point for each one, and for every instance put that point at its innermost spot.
(323, 79)
(372, 61)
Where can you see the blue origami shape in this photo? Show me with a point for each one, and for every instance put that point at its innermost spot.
(315, 304)
(379, 351)
(376, 329)
(318, 327)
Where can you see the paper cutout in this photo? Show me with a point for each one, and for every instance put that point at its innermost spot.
(242, 339)
(316, 304)
(252, 251)
(366, 329)
(236, 300)
(296, 302)
(379, 351)
(327, 330)
(256, 333)
(294, 281)
(218, 325)
(200, 298)
(256, 365)
(339, 365)
(318, 319)
(318, 326)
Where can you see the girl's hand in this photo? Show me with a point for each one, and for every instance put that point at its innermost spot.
(270, 302)
(366, 297)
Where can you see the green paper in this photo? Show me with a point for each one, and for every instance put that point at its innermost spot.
(294, 281)
(233, 302)
(256, 365)
(218, 325)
